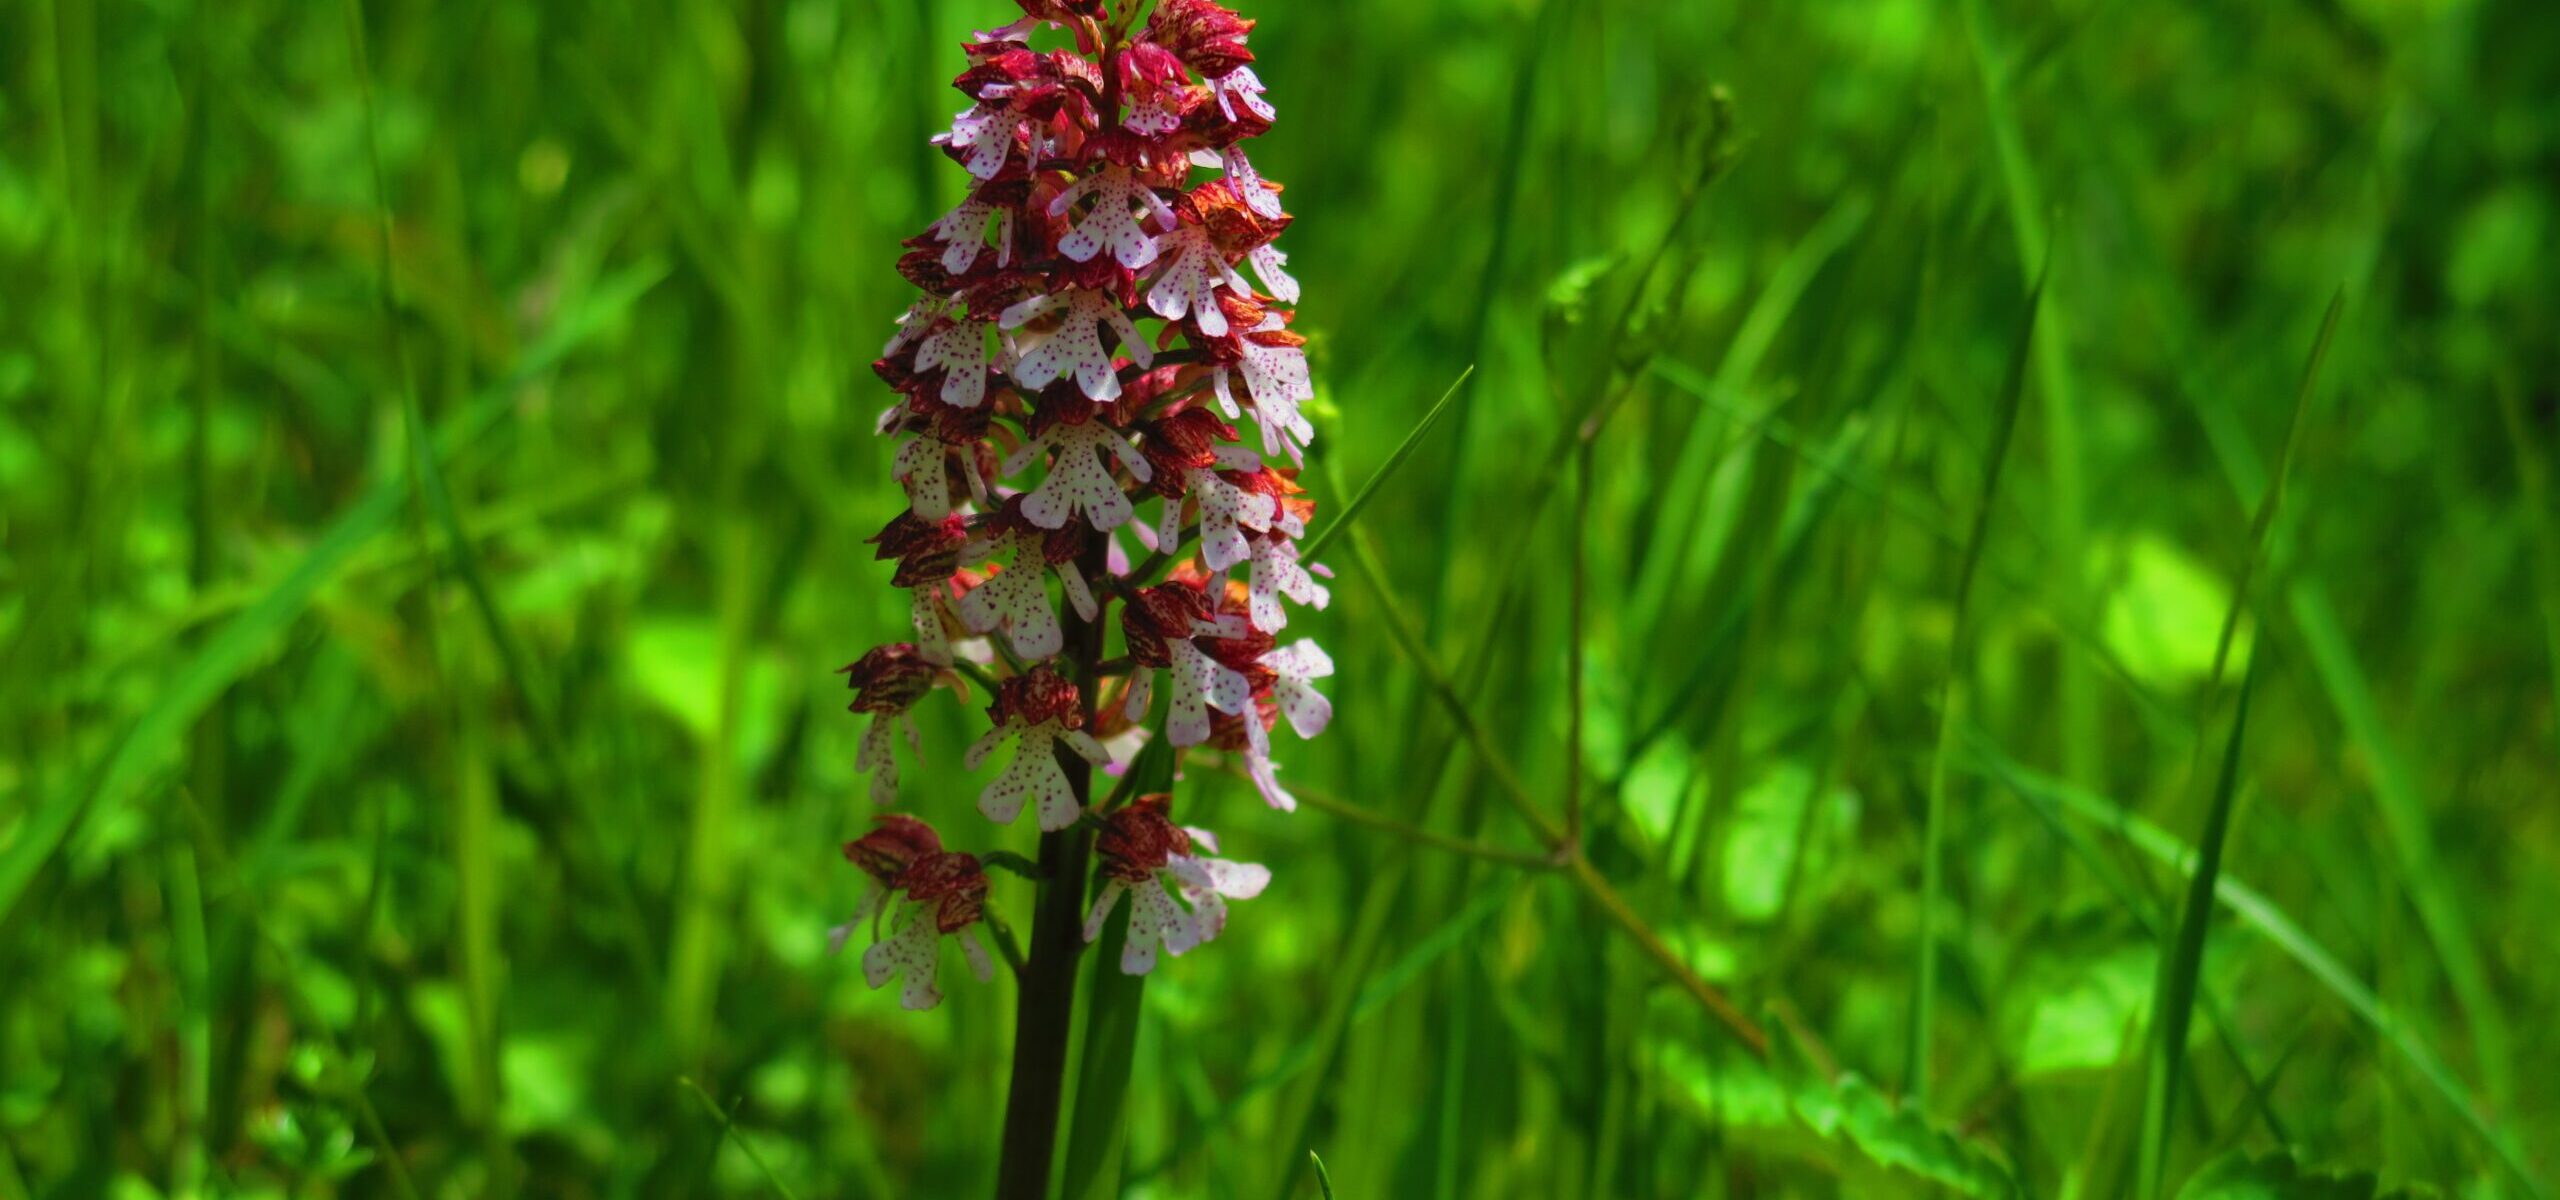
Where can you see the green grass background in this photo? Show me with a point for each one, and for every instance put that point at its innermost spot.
(417, 736)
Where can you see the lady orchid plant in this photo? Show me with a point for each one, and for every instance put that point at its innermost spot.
(1072, 387)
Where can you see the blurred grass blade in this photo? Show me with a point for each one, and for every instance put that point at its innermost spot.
(2534, 472)
(2066, 504)
(232, 651)
(1836, 465)
(479, 903)
(1490, 752)
(2175, 993)
(2173, 1003)
(1951, 712)
(2244, 1176)
(223, 659)
(1324, 1180)
(2112, 876)
(2412, 840)
(1097, 1132)
(729, 1133)
(1403, 450)
(1795, 541)
(1375, 992)
(462, 552)
(1408, 638)
(2261, 914)
(1694, 470)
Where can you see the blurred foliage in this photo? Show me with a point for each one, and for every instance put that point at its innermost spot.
(408, 796)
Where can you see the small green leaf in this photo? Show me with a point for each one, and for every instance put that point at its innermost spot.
(1734, 1091)
(1899, 1137)
(1720, 1083)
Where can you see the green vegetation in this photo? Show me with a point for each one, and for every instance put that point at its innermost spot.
(2019, 538)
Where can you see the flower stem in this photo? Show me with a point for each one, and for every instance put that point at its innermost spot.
(1045, 1008)
(1042, 1016)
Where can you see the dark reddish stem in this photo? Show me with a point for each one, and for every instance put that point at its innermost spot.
(1044, 1011)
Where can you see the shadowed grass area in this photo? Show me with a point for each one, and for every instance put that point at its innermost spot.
(1804, 484)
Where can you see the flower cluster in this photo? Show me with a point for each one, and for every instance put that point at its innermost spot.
(1089, 344)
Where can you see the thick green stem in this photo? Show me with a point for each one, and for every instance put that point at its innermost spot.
(1041, 1019)
(1046, 1008)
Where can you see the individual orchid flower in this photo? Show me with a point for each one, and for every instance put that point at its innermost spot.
(1242, 87)
(887, 682)
(1295, 668)
(927, 553)
(946, 898)
(1112, 223)
(987, 132)
(1160, 624)
(1226, 510)
(1188, 286)
(1014, 600)
(960, 352)
(1074, 345)
(1276, 573)
(1149, 859)
(1192, 458)
(1080, 481)
(923, 466)
(1038, 712)
(1270, 265)
(1248, 183)
(1274, 366)
(883, 854)
(1201, 683)
(964, 231)
(1208, 883)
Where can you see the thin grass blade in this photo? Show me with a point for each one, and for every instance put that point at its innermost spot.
(1951, 713)
(2173, 1003)
(2175, 994)
(2395, 789)
(729, 1134)
(2262, 915)
(1403, 450)
(1375, 993)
